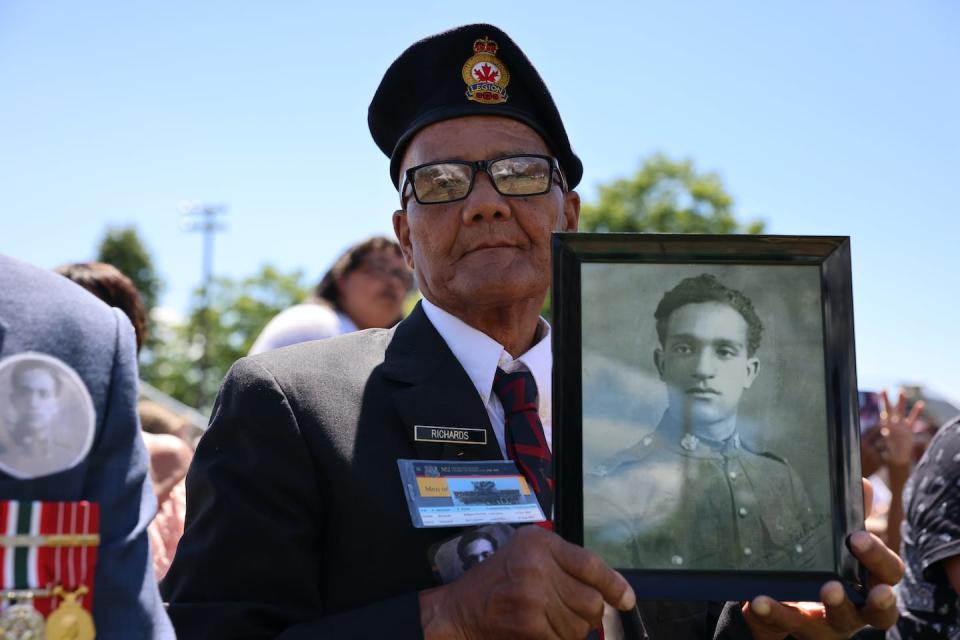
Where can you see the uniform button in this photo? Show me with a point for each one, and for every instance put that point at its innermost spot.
(677, 560)
(747, 551)
(799, 548)
(743, 512)
(733, 475)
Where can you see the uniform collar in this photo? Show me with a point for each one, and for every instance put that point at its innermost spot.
(480, 355)
(675, 437)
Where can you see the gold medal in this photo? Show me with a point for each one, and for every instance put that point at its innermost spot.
(70, 621)
(20, 621)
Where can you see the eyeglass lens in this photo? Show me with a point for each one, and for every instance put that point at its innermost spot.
(516, 176)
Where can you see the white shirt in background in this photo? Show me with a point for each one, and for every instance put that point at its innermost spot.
(300, 323)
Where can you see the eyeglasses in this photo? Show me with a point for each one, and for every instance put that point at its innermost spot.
(452, 180)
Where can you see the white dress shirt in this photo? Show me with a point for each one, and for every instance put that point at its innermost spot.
(480, 355)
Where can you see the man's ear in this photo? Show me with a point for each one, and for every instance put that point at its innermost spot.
(401, 229)
(571, 211)
(753, 368)
(658, 361)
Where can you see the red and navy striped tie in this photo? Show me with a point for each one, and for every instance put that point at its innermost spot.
(523, 434)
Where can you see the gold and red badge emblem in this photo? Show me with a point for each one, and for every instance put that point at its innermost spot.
(485, 74)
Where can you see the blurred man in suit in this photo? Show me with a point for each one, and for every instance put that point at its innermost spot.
(44, 317)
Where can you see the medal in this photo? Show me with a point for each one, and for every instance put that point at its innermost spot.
(70, 621)
(48, 555)
(20, 621)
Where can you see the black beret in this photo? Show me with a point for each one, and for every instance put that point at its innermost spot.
(471, 70)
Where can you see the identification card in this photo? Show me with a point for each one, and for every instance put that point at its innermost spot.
(455, 494)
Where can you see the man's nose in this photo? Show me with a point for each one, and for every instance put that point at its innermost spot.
(705, 365)
(484, 202)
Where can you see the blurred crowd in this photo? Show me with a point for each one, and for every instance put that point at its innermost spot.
(366, 287)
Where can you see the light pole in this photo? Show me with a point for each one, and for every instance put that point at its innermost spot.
(203, 217)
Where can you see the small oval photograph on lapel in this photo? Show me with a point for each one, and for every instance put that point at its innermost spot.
(47, 418)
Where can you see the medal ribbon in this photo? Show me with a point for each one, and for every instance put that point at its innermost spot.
(49, 544)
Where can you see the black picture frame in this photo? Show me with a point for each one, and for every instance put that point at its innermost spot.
(575, 254)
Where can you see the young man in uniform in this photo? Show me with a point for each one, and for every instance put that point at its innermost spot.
(691, 494)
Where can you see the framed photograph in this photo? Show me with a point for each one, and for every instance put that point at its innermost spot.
(706, 434)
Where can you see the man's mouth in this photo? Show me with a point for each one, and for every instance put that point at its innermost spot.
(702, 392)
(490, 245)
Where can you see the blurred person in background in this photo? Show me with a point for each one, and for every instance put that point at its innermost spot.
(169, 461)
(365, 288)
(887, 454)
(928, 596)
(169, 455)
(107, 283)
(43, 317)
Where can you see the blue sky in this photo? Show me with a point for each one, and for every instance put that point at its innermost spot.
(821, 117)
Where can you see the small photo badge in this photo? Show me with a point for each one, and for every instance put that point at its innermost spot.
(47, 418)
(454, 556)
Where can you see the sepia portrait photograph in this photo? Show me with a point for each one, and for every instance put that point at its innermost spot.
(455, 556)
(704, 417)
(47, 419)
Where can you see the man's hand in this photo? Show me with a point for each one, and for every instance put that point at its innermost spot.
(836, 617)
(536, 586)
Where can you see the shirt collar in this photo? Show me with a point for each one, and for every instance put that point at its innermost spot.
(480, 355)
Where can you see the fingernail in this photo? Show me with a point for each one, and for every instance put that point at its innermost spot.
(860, 541)
(833, 595)
(628, 600)
(761, 607)
(887, 600)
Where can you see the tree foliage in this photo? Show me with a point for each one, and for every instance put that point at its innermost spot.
(239, 309)
(121, 247)
(665, 196)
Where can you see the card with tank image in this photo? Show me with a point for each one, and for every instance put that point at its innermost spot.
(453, 494)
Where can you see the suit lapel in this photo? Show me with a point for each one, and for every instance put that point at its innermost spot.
(437, 391)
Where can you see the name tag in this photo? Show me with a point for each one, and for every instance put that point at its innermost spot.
(452, 494)
(449, 435)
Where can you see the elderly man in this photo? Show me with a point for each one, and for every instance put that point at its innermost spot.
(692, 494)
(297, 523)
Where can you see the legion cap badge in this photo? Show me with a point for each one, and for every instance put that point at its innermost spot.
(486, 76)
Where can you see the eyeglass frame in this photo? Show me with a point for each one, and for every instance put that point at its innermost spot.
(483, 165)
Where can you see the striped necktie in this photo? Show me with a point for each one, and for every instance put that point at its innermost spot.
(523, 434)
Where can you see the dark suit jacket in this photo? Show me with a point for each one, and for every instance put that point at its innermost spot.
(44, 312)
(297, 525)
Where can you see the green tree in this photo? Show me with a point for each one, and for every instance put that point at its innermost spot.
(121, 247)
(239, 309)
(666, 196)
